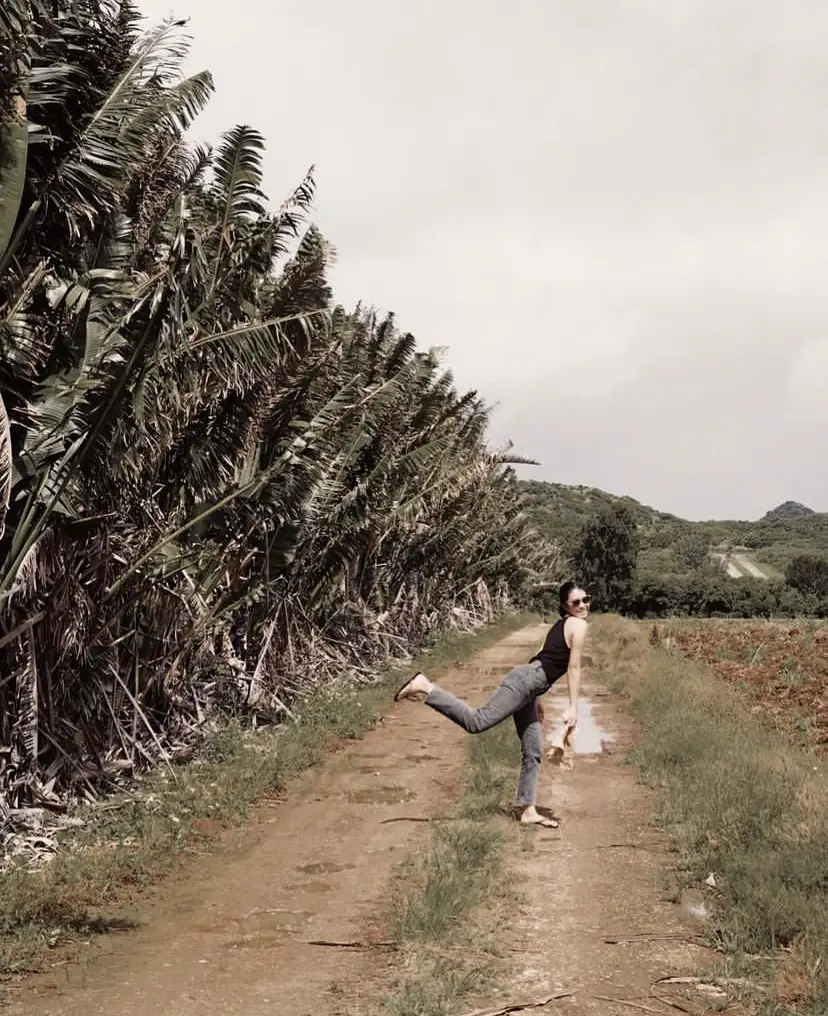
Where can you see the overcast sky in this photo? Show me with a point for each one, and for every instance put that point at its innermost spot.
(614, 213)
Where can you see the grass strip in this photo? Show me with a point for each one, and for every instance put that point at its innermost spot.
(448, 901)
(740, 801)
(135, 838)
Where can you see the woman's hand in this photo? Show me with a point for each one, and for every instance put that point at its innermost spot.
(570, 717)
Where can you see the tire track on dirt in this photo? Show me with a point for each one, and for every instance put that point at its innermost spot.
(596, 920)
(231, 937)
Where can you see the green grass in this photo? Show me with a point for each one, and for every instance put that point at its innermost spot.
(448, 902)
(741, 801)
(137, 838)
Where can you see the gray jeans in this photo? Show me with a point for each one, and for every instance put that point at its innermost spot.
(515, 697)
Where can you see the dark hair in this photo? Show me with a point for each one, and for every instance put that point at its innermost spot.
(563, 595)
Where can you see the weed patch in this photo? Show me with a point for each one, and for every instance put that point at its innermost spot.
(130, 841)
(447, 902)
(742, 802)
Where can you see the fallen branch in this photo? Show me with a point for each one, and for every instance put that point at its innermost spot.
(537, 1003)
(415, 818)
(671, 1003)
(115, 805)
(404, 818)
(670, 936)
(632, 1005)
(352, 945)
(613, 846)
(738, 982)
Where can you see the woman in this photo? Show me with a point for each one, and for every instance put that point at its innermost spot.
(561, 654)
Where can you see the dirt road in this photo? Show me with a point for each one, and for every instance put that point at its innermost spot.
(748, 567)
(231, 937)
(739, 565)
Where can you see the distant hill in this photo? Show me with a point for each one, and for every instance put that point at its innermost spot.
(564, 507)
(788, 510)
(558, 510)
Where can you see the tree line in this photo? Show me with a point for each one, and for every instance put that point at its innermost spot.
(218, 488)
(604, 555)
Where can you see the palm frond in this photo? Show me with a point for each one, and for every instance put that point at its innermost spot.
(6, 464)
(112, 144)
(14, 147)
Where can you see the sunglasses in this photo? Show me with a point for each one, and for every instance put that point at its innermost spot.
(586, 600)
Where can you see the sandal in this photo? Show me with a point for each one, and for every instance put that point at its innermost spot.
(398, 694)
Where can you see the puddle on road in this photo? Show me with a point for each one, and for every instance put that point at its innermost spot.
(371, 770)
(268, 929)
(590, 737)
(314, 886)
(380, 795)
(697, 910)
(323, 868)
(693, 904)
(278, 919)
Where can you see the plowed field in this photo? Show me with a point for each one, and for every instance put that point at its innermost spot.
(783, 665)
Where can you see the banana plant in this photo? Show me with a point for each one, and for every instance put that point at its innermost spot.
(214, 476)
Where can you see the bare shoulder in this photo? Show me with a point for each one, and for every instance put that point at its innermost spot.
(575, 631)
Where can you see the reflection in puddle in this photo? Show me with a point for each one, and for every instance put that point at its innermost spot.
(697, 910)
(590, 737)
(694, 905)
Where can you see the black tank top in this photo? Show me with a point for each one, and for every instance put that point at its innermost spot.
(554, 657)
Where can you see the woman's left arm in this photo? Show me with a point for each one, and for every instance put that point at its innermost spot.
(576, 653)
